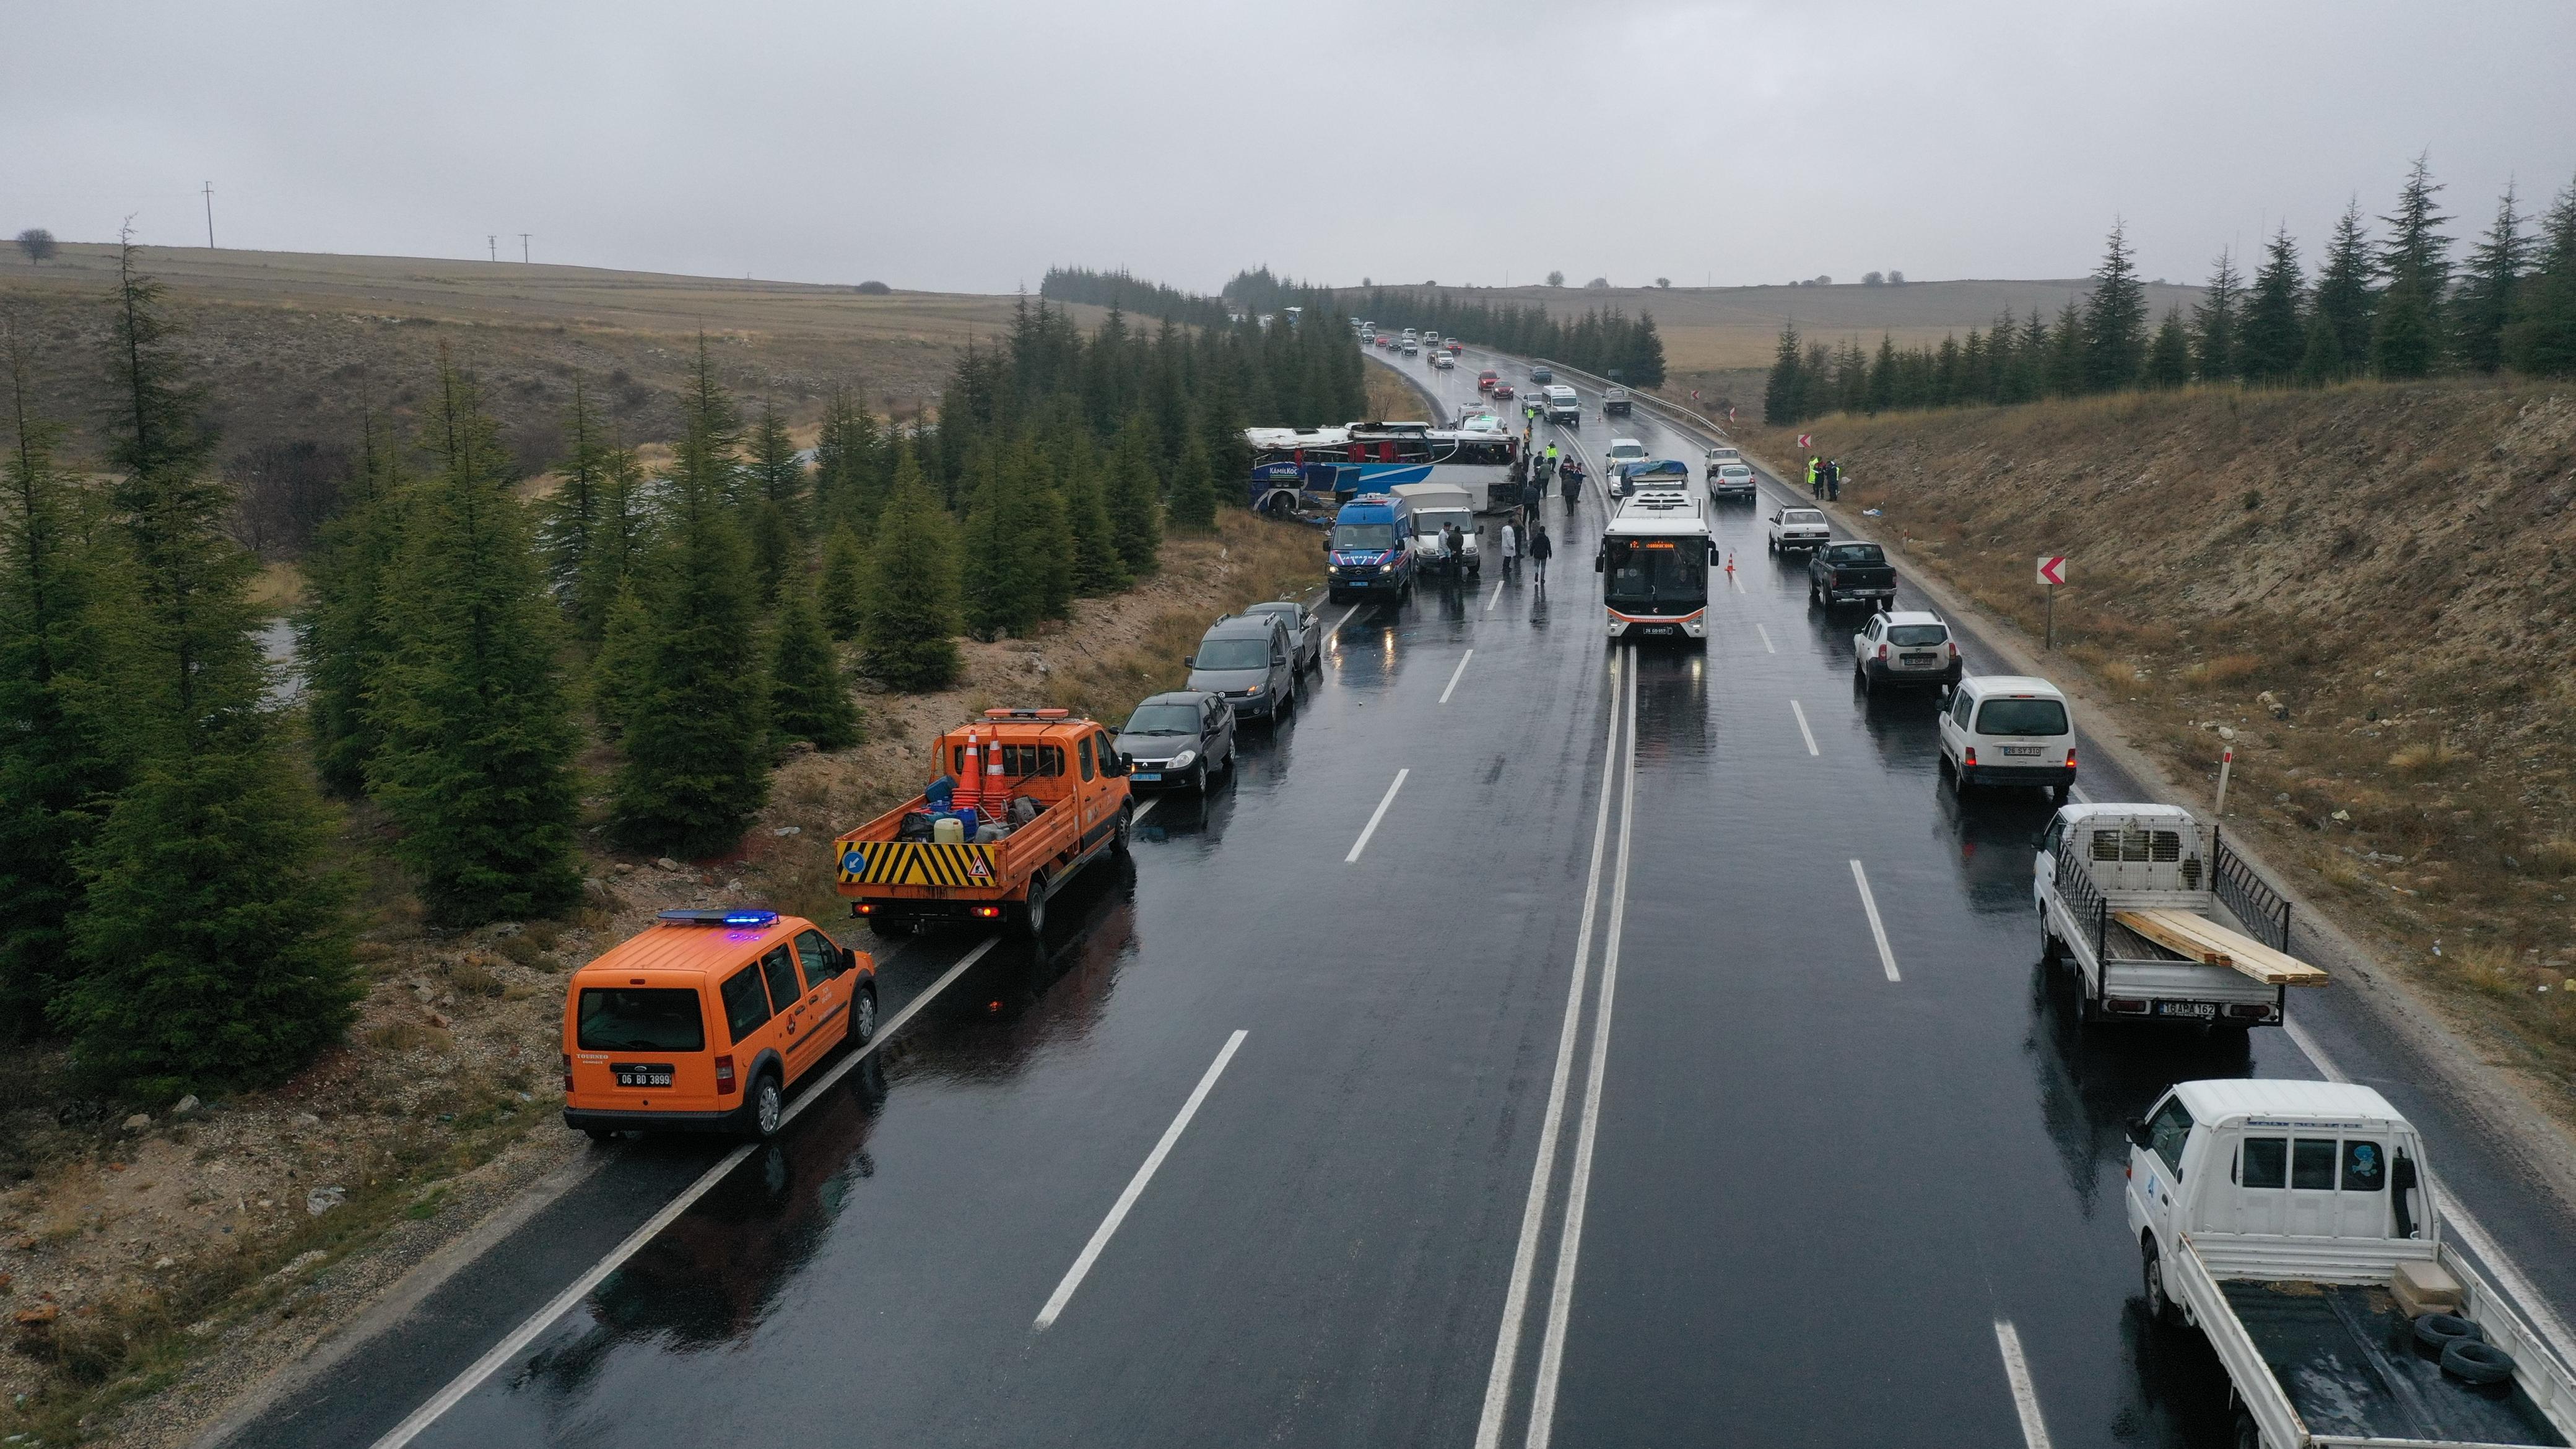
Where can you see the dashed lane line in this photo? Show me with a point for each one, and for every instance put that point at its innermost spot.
(1108, 1228)
(1877, 928)
(2034, 1429)
(1497, 598)
(1766, 639)
(1804, 733)
(1455, 673)
(1375, 816)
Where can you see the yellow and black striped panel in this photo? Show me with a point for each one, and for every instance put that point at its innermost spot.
(916, 862)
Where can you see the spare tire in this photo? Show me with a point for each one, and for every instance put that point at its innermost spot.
(2438, 1331)
(2476, 1361)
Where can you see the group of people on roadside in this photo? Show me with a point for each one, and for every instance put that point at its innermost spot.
(1535, 542)
(1824, 478)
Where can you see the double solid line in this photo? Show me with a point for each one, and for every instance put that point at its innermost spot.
(1619, 778)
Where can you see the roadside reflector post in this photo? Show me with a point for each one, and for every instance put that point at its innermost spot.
(2226, 763)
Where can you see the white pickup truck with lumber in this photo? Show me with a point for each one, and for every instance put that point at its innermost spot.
(2298, 1225)
(2128, 893)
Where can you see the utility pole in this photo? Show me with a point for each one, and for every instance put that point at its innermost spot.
(494, 242)
(523, 246)
(210, 216)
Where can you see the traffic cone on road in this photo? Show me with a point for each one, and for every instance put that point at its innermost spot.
(970, 776)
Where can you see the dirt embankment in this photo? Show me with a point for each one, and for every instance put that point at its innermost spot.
(2370, 587)
(154, 1266)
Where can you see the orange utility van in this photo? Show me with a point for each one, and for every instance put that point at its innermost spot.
(703, 1022)
(1049, 795)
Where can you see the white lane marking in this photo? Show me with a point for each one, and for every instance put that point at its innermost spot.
(1453, 674)
(2076, 792)
(1766, 639)
(1507, 1344)
(2534, 1306)
(1375, 816)
(1346, 617)
(1497, 598)
(1145, 809)
(1877, 928)
(562, 1303)
(1100, 1236)
(1804, 733)
(1578, 1191)
(2034, 1429)
(1732, 579)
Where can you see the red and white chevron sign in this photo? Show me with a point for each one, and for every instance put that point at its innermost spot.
(2052, 569)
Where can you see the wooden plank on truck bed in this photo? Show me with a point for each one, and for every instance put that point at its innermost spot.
(2197, 938)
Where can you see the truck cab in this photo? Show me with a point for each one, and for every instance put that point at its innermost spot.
(1369, 555)
(2298, 1226)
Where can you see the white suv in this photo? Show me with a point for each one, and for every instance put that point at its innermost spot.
(1796, 528)
(2008, 729)
(1912, 647)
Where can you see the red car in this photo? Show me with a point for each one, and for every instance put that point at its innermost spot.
(1485, 380)
(1455, 346)
(1502, 389)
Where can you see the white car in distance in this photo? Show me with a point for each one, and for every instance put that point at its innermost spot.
(1793, 528)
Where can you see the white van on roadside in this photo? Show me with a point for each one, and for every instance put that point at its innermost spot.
(2008, 729)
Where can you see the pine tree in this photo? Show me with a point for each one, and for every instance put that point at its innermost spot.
(776, 473)
(2321, 358)
(694, 773)
(2169, 359)
(572, 514)
(2406, 329)
(845, 563)
(212, 941)
(2495, 270)
(1882, 375)
(1135, 499)
(849, 465)
(774, 553)
(2215, 320)
(1784, 391)
(911, 592)
(57, 770)
(342, 634)
(1000, 595)
(2342, 302)
(2115, 320)
(621, 539)
(476, 763)
(1097, 569)
(2542, 338)
(2273, 337)
(1194, 490)
(2070, 352)
(809, 696)
(622, 669)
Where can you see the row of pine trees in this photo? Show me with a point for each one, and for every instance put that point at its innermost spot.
(1609, 344)
(2394, 306)
(171, 859)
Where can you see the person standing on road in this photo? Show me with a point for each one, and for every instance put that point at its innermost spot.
(1541, 550)
(1511, 549)
(1834, 480)
(1815, 478)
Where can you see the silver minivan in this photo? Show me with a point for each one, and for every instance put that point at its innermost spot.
(2008, 729)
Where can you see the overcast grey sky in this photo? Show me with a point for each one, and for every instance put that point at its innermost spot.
(967, 144)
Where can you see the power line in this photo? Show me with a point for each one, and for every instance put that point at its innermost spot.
(494, 242)
(523, 246)
(210, 216)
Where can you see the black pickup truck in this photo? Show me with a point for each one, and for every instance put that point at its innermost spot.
(1851, 573)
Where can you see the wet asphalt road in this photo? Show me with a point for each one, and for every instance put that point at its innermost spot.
(1808, 1192)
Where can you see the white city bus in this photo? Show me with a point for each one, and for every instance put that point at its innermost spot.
(1654, 561)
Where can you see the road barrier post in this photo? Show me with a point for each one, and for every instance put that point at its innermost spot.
(2226, 762)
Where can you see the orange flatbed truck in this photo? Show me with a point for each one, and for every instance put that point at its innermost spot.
(1047, 782)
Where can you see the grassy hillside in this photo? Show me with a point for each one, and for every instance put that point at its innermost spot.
(2370, 584)
(293, 347)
